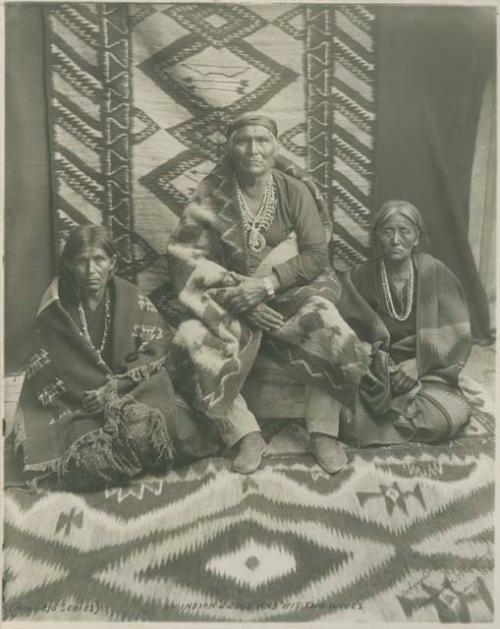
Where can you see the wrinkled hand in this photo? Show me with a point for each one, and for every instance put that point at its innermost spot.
(93, 401)
(265, 318)
(246, 295)
(405, 376)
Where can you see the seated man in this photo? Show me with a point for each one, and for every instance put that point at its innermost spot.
(98, 339)
(250, 263)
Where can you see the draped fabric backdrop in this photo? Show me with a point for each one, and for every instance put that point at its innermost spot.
(375, 102)
(29, 237)
(483, 207)
(432, 69)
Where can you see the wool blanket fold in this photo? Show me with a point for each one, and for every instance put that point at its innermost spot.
(213, 350)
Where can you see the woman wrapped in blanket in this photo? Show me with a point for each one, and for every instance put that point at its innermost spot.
(250, 264)
(97, 406)
(412, 310)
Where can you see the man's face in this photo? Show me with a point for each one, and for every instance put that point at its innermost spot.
(253, 149)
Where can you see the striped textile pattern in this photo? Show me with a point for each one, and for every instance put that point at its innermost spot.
(90, 108)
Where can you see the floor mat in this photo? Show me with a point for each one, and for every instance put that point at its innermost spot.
(402, 533)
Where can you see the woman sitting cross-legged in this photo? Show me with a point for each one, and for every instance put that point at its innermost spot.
(97, 406)
(412, 310)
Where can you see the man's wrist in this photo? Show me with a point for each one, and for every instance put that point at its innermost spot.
(269, 286)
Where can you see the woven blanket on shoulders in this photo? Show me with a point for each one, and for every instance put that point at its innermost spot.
(213, 350)
(442, 340)
(443, 337)
(50, 417)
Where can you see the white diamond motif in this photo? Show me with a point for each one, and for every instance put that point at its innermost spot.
(215, 20)
(253, 564)
(218, 76)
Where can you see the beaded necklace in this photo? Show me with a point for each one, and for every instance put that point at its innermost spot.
(107, 325)
(406, 294)
(262, 220)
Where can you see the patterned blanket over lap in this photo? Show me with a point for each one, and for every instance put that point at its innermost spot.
(403, 533)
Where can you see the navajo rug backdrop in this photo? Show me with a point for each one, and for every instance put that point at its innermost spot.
(140, 95)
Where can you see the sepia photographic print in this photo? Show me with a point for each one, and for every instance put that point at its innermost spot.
(249, 313)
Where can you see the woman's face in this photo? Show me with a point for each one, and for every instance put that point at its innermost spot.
(91, 269)
(397, 237)
(253, 149)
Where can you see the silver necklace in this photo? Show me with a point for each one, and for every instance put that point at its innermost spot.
(261, 221)
(107, 324)
(407, 294)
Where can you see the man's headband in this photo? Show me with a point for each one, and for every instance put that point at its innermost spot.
(252, 118)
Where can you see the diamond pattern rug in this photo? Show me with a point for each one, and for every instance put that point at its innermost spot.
(402, 533)
(140, 95)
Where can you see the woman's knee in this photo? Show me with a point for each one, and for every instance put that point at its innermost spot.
(443, 412)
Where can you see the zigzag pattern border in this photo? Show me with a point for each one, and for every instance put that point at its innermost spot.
(318, 57)
(117, 132)
(340, 70)
(78, 196)
(88, 54)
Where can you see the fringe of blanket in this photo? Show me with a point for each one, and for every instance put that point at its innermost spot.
(134, 439)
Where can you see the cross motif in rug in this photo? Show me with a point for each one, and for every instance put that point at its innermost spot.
(285, 544)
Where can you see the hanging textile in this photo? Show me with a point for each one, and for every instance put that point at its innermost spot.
(140, 95)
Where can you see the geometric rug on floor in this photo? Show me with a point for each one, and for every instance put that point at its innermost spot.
(401, 534)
